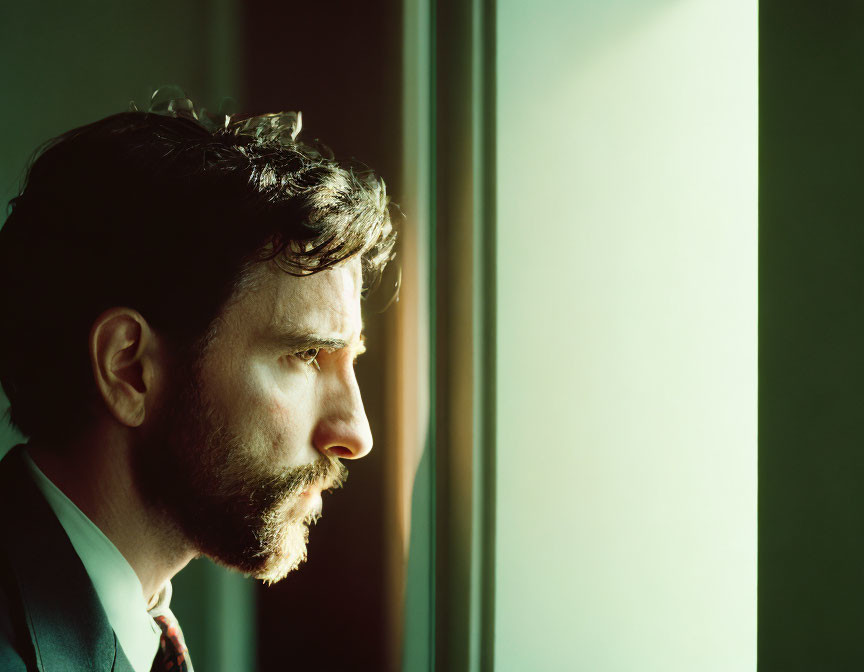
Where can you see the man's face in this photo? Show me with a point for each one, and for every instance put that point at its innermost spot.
(239, 452)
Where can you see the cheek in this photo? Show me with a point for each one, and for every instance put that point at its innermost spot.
(263, 394)
(270, 407)
(287, 416)
(279, 413)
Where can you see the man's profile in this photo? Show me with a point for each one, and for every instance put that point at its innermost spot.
(180, 306)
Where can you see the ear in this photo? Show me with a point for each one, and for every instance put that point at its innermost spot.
(123, 354)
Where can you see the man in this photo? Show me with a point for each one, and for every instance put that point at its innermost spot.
(180, 306)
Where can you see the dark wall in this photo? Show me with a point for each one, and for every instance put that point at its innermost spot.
(340, 64)
(811, 336)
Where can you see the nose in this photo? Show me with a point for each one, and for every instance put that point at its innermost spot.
(343, 429)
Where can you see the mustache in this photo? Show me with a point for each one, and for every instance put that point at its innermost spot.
(328, 472)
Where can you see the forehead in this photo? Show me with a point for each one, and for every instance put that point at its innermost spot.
(326, 302)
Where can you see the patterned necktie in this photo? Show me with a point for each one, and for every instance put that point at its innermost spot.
(172, 655)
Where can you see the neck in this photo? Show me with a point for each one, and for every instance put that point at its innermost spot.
(95, 473)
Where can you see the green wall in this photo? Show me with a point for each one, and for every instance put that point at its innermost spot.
(811, 331)
(627, 234)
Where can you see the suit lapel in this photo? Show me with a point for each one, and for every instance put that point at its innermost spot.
(67, 624)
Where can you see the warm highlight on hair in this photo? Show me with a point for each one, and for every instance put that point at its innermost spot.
(163, 212)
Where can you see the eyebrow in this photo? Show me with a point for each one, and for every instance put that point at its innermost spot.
(298, 341)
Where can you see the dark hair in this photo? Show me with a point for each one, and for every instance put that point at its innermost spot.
(163, 213)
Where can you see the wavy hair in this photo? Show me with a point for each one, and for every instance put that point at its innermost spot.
(164, 211)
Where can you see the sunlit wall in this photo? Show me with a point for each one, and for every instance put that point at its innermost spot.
(627, 231)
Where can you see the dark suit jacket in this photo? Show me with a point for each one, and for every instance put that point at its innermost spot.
(51, 619)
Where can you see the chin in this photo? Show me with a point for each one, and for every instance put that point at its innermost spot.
(289, 553)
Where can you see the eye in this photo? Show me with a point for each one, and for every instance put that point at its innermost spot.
(309, 356)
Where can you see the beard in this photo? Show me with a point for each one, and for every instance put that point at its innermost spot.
(219, 490)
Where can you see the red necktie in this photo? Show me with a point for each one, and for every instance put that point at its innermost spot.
(173, 656)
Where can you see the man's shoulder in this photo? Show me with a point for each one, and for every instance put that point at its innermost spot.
(48, 606)
(16, 649)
